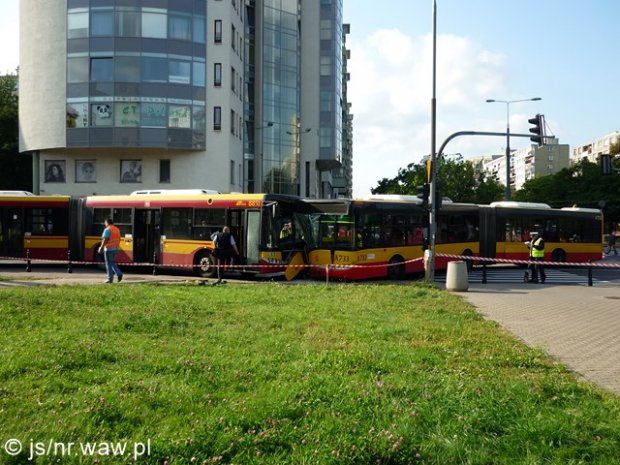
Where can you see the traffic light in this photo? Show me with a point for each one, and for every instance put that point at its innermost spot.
(539, 129)
(425, 191)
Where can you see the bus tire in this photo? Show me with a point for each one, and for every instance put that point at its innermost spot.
(468, 263)
(396, 270)
(205, 264)
(558, 255)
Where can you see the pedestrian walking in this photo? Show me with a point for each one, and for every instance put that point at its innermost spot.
(110, 243)
(225, 246)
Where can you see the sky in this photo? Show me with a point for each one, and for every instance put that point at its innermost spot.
(563, 51)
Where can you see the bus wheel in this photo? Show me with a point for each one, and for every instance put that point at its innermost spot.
(469, 263)
(205, 265)
(396, 270)
(558, 255)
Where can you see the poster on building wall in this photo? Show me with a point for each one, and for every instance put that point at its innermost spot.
(127, 114)
(85, 171)
(77, 115)
(101, 114)
(179, 116)
(55, 171)
(153, 114)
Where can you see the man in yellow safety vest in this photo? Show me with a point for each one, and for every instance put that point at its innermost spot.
(537, 254)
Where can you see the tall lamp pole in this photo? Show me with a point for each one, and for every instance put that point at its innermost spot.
(508, 193)
(432, 175)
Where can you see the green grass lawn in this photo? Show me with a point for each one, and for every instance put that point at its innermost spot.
(272, 374)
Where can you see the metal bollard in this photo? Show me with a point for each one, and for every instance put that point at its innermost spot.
(484, 272)
(28, 264)
(154, 263)
(326, 274)
(69, 270)
(590, 273)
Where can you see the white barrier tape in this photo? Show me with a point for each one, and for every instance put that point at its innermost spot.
(332, 266)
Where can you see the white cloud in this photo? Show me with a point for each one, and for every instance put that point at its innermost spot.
(390, 90)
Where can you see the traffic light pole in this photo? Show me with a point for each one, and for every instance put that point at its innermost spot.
(432, 213)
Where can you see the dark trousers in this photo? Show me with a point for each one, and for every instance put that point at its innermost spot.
(538, 270)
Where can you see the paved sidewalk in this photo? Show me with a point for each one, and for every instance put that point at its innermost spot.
(576, 324)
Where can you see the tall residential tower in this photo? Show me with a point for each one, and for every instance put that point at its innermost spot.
(232, 95)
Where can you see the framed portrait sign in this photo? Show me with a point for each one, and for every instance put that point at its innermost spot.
(55, 171)
(85, 171)
(131, 170)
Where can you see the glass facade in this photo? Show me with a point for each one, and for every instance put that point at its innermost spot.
(140, 69)
(280, 103)
(330, 71)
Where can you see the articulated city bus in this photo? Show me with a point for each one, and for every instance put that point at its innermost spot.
(35, 226)
(177, 230)
(383, 236)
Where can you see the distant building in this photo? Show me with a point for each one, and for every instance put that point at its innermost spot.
(527, 163)
(594, 149)
(234, 95)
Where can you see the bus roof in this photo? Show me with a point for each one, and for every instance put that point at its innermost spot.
(580, 209)
(16, 193)
(185, 201)
(513, 204)
(175, 192)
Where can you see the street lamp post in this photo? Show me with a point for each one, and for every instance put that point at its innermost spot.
(508, 194)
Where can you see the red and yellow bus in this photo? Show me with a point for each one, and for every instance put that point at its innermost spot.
(34, 226)
(176, 230)
(385, 236)
(571, 234)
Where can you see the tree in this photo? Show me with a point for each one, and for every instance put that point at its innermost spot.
(15, 169)
(456, 179)
(581, 184)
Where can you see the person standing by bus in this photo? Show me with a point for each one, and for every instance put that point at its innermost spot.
(611, 243)
(225, 245)
(537, 254)
(111, 240)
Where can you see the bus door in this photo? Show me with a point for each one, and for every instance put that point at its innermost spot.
(146, 235)
(252, 239)
(237, 229)
(12, 233)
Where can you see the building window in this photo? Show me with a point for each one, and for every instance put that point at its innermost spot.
(218, 31)
(199, 29)
(77, 23)
(154, 22)
(217, 118)
(77, 69)
(233, 118)
(128, 22)
(179, 72)
(233, 37)
(101, 69)
(127, 69)
(198, 74)
(179, 26)
(154, 69)
(233, 79)
(164, 171)
(217, 74)
(101, 22)
(102, 114)
(232, 172)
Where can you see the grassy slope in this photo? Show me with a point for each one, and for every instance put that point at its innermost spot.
(296, 374)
